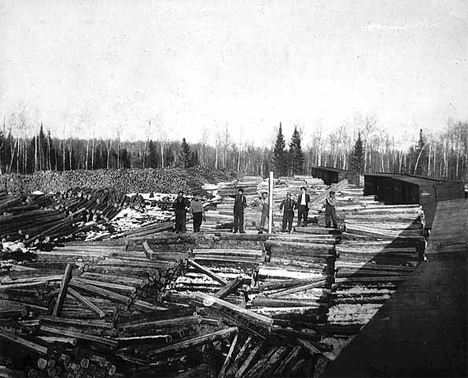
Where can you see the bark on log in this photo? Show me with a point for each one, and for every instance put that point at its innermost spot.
(76, 283)
(248, 361)
(79, 335)
(229, 356)
(206, 271)
(86, 302)
(231, 287)
(196, 341)
(63, 290)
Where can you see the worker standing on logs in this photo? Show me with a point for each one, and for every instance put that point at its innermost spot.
(198, 212)
(265, 208)
(330, 212)
(181, 204)
(303, 200)
(288, 214)
(240, 203)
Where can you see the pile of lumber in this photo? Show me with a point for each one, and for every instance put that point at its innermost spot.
(380, 248)
(42, 218)
(167, 180)
(114, 309)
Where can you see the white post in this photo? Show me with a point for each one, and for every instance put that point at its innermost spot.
(270, 202)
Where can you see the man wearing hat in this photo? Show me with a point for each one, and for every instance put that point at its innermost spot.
(240, 203)
(265, 208)
(288, 214)
(303, 207)
(181, 204)
(330, 213)
(198, 212)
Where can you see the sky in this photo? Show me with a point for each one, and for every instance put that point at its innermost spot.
(189, 68)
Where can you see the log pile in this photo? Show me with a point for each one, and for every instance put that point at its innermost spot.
(168, 180)
(380, 248)
(38, 219)
(153, 303)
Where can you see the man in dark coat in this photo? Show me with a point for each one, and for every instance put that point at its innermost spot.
(240, 203)
(303, 207)
(330, 212)
(181, 204)
(288, 214)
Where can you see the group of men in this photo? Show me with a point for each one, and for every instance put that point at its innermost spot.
(288, 205)
(181, 206)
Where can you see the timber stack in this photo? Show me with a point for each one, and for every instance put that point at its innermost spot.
(152, 302)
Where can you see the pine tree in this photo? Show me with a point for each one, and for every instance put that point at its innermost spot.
(357, 159)
(185, 154)
(280, 159)
(420, 156)
(296, 156)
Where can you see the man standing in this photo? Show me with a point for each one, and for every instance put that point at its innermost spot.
(198, 212)
(265, 208)
(330, 212)
(181, 204)
(288, 214)
(303, 207)
(240, 203)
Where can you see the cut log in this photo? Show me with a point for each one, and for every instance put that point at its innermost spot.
(63, 290)
(86, 302)
(209, 300)
(23, 343)
(79, 335)
(243, 368)
(206, 271)
(196, 341)
(229, 356)
(77, 283)
(231, 287)
(313, 285)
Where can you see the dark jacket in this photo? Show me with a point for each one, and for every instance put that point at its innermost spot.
(240, 202)
(288, 204)
(180, 204)
(307, 200)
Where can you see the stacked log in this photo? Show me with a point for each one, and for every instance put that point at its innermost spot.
(38, 219)
(380, 248)
(168, 180)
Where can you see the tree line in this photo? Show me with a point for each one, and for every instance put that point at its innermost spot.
(442, 155)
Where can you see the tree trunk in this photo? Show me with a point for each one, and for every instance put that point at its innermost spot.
(64, 156)
(70, 152)
(87, 154)
(162, 155)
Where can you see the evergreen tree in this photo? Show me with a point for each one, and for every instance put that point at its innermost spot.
(357, 158)
(185, 154)
(280, 158)
(296, 156)
(152, 161)
(420, 156)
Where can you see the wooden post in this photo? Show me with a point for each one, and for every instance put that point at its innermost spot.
(63, 290)
(270, 203)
